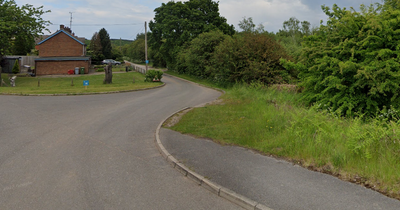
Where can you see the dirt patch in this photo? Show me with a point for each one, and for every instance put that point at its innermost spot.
(174, 119)
(287, 87)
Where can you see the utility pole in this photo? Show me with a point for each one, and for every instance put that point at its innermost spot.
(120, 45)
(70, 21)
(145, 44)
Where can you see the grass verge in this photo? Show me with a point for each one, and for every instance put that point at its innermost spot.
(272, 122)
(74, 84)
(194, 79)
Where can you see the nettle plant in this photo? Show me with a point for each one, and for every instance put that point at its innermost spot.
(352, 64)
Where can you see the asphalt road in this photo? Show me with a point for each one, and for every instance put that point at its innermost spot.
(95, 152)
(274, 183)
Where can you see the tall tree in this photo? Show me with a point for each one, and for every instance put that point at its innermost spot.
(95, 49)
(248, 26)
(295, 29)
(177, 23)
(24, 21)
(105, 43)
(292, 35)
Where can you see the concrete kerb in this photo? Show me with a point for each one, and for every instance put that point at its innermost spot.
(230, 195)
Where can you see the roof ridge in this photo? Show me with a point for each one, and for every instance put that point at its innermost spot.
(56, 33)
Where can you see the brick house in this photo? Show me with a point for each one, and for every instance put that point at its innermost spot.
(60, 52)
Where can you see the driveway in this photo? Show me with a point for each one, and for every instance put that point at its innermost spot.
(96, 152)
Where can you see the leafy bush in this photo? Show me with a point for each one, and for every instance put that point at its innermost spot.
(153, 75)
(250, 57)
(15, 68)
(196, 59)
(351, 65)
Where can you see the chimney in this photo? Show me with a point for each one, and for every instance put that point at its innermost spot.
(61, 27)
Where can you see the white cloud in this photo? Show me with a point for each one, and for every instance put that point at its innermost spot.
(270, 13)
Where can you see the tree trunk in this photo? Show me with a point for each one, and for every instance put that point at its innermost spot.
(108, 71)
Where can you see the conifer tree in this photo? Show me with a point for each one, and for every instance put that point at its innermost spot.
(105, 43)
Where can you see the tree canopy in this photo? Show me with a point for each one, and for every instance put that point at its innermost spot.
(248, 26)
(136, 49)
(19, 23)
(291, 35)
(177, 23)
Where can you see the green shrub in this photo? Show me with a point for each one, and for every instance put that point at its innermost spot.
(100, 69)
(352, 64)
(248, 58)
(15, 68)
(196, 59)
(153, 75)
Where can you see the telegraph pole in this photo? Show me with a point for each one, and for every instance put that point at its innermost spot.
(145, 44)
(70, 21)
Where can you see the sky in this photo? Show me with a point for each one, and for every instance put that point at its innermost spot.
(125, 18)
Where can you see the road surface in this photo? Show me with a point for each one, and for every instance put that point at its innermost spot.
(96, 152)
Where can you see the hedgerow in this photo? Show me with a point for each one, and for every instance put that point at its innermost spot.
(351, 64)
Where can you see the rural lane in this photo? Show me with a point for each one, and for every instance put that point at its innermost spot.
(96, 151)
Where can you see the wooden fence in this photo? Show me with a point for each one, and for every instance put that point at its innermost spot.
(24, 62)
(138, 68)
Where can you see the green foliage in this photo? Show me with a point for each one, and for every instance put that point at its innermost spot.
(351, 64)
(105, 41)
(249, 57)
(196, 59)
(22, 44)
(292, 34)
(24, 22)
(153, 75)
(248, 26)
(16, 68)
(95, 48)
(391, 4)
(117, 54)
(177, 23)
(136, 51)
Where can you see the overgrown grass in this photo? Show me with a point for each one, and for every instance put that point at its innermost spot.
(62, 85)
(273, 122)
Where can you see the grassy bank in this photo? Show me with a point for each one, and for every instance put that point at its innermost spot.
(273, 122)
(63, 84)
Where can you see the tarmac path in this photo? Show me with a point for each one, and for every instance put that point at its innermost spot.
(96, 151)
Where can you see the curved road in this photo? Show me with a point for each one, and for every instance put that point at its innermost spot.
(95, 152)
